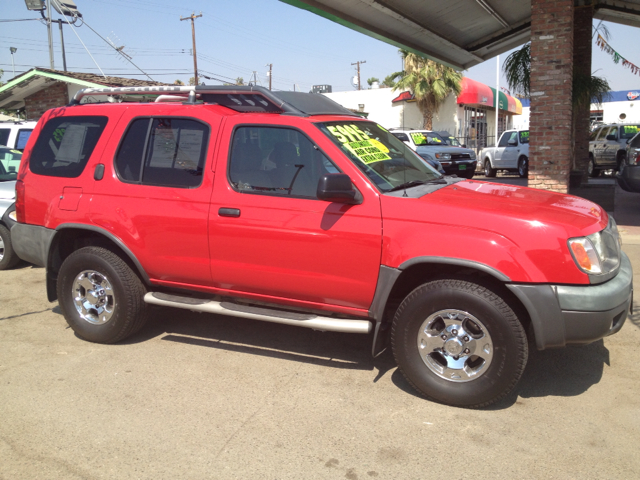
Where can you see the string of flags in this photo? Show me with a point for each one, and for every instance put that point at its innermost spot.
(605, 47)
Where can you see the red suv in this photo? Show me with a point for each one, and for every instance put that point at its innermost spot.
(288, 208)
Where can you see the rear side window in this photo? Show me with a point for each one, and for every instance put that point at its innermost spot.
(23, 137)
(65, 144)
(4, 136)
(167, 152)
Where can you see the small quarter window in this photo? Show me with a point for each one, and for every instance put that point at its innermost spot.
(167, 152)
(65, 144)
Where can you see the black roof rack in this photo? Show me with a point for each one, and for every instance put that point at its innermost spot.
(238, 98)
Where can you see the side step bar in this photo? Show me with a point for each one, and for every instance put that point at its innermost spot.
(286, 317)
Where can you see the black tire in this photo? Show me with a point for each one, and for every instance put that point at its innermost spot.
(591, 169)
(490, 342)
(622, 158)
(8, 257)
(469, 174)
(523, 167)
(97, 274)
(488, 171)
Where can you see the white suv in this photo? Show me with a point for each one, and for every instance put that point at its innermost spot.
(15, 134)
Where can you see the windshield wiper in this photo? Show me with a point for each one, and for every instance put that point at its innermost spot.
(412, 183)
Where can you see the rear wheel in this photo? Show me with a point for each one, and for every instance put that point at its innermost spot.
(591, 168)
(459, 343)
(523, 167)
(488, 171)
(8, 257)
(622, 157)
(100, 296)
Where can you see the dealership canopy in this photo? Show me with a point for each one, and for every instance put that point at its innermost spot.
(458, 33)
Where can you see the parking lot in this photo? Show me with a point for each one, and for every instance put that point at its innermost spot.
(203, 396)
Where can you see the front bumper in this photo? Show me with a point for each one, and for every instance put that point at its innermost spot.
(458, 167)
(574, 315)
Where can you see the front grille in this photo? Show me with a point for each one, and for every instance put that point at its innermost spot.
(460, 156)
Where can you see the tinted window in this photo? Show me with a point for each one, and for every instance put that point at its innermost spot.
(504, 139)
(9, 164)
(4, 135)
(276, 161)
(524, 136)
(602, 132)
(164, 152)
(65, 144)
(401, 136)
(23, 137)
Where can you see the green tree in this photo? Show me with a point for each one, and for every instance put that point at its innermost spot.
(192, 80)
(371, 81)
(430, 83)
(239, 81)
(389, 81)
(178, 82)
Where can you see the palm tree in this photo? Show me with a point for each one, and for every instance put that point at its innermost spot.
(586, 89)
(430, 83)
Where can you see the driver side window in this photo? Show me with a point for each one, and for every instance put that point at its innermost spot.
(276, 161)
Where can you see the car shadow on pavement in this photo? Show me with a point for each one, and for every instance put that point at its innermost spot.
(330, 349)
(564, 372)
(567, 371)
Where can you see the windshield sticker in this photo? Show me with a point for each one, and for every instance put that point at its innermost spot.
(367, 150)
(419, 138)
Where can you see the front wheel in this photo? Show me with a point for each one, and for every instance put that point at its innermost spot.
(100, 296)
(8, 257)
(488, 171)
(459, 343)
(523, 167)
(591, 168)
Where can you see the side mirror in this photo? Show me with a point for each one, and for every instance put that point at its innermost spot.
(464, 145)
(512, 143)
(611, 137)
(336, 187)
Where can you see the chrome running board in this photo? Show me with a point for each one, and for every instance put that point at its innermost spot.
(308, 320)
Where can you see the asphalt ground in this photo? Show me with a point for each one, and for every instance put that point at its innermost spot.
(199, 396)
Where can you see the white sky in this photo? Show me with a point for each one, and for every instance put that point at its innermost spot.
(235, 38)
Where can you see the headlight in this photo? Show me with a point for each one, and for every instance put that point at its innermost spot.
(13, 217)
(598, 253)
(443, 156)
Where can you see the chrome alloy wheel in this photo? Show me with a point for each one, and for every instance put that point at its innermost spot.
(93, 297)
(455, 345)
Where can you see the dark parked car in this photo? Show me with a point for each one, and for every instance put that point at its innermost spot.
(629, 175)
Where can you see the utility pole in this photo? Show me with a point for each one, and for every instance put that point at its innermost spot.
(193, 34)
(13, 50)
(358, 64)
(269, 73)
(64, 56)
(50, 35)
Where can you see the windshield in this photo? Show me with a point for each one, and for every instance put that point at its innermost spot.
(427, 138)
(9, 164)
(629, 131)
(387, 161)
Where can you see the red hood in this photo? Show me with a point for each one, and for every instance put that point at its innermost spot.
(519, 231)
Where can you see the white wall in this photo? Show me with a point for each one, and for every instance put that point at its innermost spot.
(611, 111)
(377, 103)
